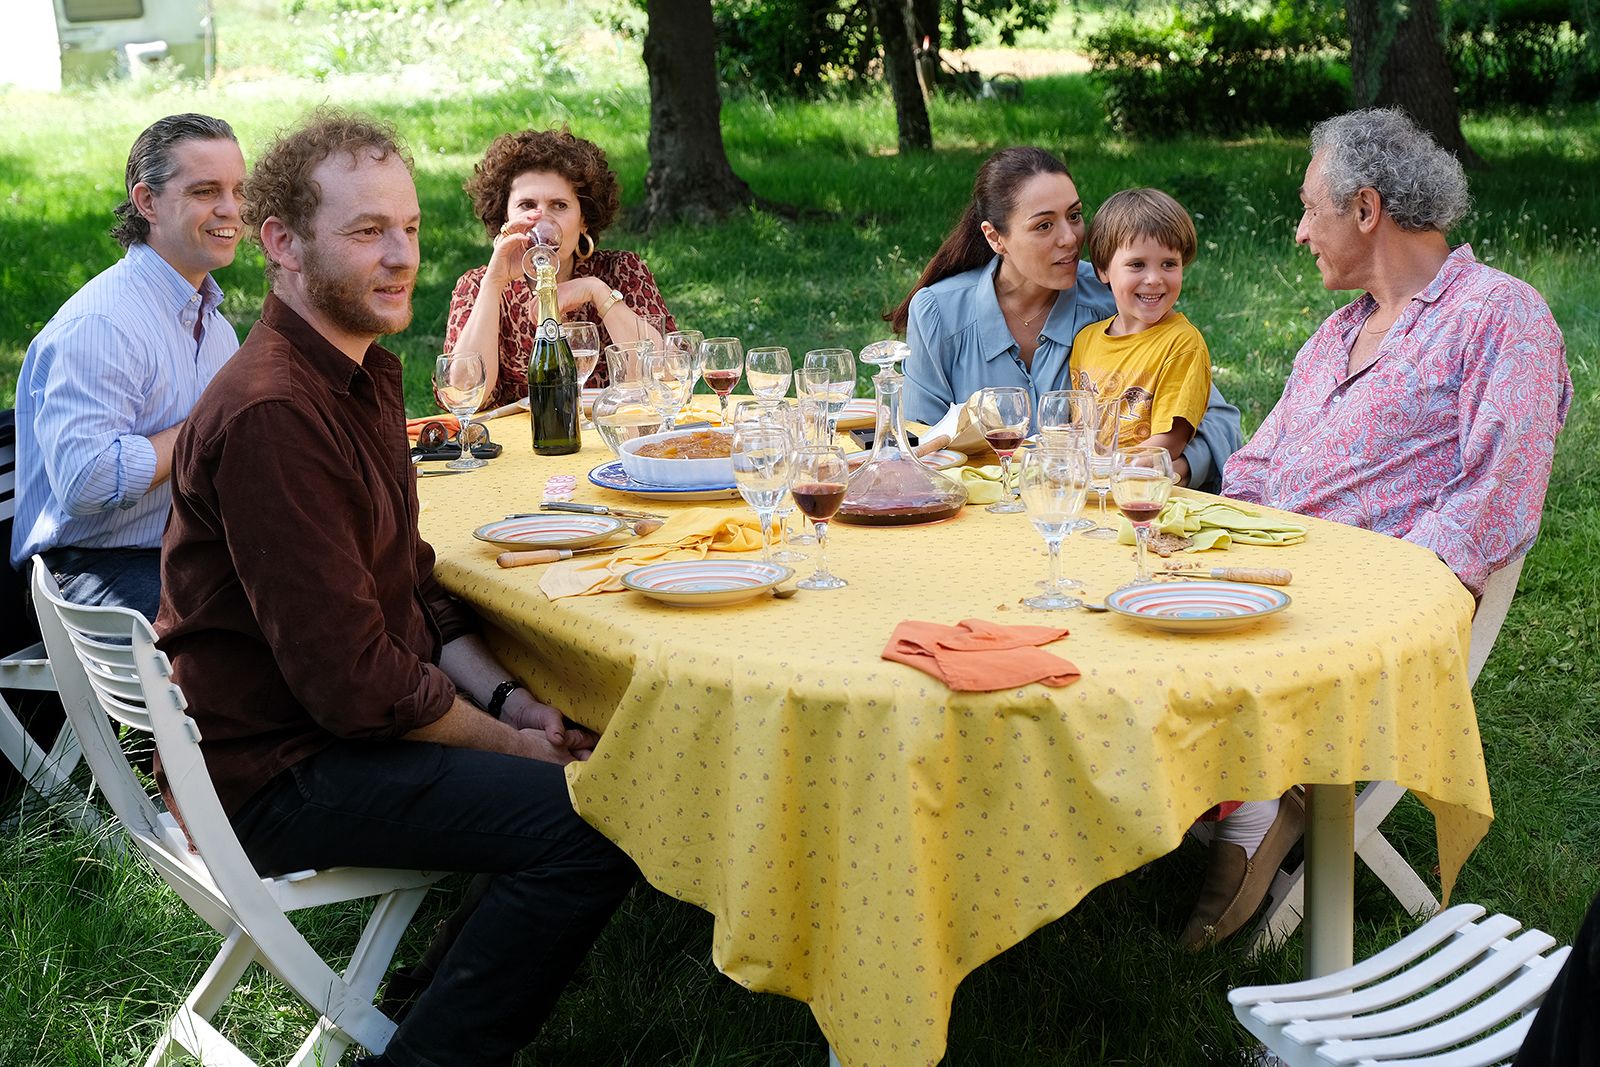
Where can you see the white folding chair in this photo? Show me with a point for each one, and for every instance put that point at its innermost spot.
(1286, 899)
(108, 668)
(27, 668)
(1457, 992)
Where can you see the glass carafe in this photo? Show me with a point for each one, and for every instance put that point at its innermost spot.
(893, 487)
(622, 410)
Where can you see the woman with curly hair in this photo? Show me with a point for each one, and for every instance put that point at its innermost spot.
(522, 178)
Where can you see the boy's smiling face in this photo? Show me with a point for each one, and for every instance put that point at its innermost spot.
(1145, 278)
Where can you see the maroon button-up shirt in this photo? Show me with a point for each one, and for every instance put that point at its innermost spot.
(298, 603)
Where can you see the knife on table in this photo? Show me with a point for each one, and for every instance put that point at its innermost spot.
(1254, 575)
(594, 509)
(548, 555)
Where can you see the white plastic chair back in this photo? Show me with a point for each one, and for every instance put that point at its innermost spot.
(109, 668)
(1457, 992)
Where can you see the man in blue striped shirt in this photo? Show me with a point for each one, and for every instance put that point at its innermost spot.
(106, 385)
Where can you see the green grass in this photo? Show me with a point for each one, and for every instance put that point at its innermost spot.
(93, 951)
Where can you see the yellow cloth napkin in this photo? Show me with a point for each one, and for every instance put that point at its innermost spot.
(687, 535)
(1217, 524)
(982, 483)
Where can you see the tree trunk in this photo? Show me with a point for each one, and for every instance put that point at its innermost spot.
(925, 34)
(1399, 61)
(900, 68)
(689, 177)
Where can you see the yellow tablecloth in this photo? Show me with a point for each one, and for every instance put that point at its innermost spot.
(864, 836)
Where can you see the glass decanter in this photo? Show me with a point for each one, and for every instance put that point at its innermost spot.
(893, 487)
(622, 410)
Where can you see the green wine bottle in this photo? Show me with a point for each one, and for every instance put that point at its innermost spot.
(552, 374)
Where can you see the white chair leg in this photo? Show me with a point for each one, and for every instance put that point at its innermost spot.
(1396, 873)
(1286, 906)
(191, 1026)
(833, 1058)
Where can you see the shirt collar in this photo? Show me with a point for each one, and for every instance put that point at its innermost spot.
(1060, 325)
(1454, 265)
(339, 369)
(179, 294)
(994, 339)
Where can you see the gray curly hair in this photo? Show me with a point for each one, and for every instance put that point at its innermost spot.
(1423, 187)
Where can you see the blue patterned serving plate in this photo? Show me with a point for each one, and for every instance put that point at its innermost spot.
(612, 476)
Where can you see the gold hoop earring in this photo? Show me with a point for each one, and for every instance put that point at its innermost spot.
(582, 255)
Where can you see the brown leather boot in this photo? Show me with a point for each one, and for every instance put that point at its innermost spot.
(1234, 886)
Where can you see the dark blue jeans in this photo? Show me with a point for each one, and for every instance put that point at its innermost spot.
(113, 577)
(422, 806)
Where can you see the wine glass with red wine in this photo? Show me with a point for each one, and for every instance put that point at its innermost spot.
(722, 365)
(1140, 484)
(820, 474)
(1004, 412)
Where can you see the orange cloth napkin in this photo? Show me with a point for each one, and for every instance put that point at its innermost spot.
(978, 656)
(451, 424)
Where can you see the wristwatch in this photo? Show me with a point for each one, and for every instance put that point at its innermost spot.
(497, 700)
(610, 303)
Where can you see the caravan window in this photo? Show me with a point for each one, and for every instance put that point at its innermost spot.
(102, 10)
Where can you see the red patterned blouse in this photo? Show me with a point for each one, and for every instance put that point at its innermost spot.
(519, 314)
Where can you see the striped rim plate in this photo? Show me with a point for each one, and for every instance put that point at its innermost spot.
(705, 582)
(549, 531)
(1197, 607)
(612, 476)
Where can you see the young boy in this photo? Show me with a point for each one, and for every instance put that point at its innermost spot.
(1147, 353)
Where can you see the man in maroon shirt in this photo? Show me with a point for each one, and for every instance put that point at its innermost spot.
(350, 715)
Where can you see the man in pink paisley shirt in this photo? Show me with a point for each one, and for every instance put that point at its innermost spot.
(1427, 409)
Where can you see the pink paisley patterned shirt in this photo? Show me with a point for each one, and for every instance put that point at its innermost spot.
(1446, 440)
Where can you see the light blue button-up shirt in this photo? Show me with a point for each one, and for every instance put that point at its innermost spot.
(960, 342)
(119, 362)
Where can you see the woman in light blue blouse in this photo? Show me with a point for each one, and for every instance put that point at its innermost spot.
(1003, 297)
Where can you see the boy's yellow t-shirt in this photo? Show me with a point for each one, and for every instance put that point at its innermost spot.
(1164, 373)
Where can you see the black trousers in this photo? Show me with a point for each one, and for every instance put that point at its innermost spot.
(421, 806)
(1566, 1031)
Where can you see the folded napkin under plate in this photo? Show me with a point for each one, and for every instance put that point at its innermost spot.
(1217, 524)
(978, 656)
(690, 534)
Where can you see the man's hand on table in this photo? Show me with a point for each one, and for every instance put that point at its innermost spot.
(544, 731)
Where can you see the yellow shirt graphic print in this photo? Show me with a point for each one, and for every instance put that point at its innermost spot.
(1163, 373)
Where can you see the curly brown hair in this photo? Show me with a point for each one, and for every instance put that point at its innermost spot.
(583, 163)
(280, 184)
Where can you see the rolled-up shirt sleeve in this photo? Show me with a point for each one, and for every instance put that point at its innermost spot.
(291, 519)
(96, 388)
(1514, 399)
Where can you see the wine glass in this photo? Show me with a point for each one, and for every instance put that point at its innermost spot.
(1003, 414)
(768, 371)
(1104, 432)
(885, 354)
(762, 469)
(584, 340)
(649, 321)
(820, 474)
(1066, 417)
(812, 388)
(459, 381)
(686, 341)
(1053, 483)
(1140, 484)
(544, 248)
(722, 365)
(668, 383)
(840, 366)
(778, 415)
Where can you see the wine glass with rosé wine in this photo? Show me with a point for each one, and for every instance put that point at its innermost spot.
(820, 474)
(1140, 484)
(1004, 412)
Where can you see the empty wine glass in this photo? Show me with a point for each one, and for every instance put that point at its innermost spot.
(762, 469)
(722, 365)
(1053, 483)
(1110, 414)
(885, 354)
(1066, 416)
(686, 341)
(1140, 484)
(820, 474)
(650, 325)
(768, 370)
(840, 366)
(1003, 414)
(778, 415)
(668, 383)
(459, 381)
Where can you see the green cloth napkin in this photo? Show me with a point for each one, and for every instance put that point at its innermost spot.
(983, 484)
(1217, 524)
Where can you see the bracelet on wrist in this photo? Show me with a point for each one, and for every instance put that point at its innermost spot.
(497, 700)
